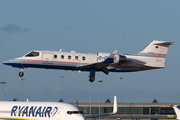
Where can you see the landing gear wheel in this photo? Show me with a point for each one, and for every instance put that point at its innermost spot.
(91, 78)
(21, 74)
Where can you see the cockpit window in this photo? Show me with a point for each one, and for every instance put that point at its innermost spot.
(74, 112)
(32, 54)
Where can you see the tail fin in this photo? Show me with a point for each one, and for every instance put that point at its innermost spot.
(156, 49)
(177, 111)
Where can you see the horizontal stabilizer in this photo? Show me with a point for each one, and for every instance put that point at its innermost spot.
(164, 43)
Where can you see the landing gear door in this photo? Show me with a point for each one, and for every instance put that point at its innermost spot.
(47, 57)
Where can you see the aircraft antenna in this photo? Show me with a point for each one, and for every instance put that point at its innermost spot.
(77, 103)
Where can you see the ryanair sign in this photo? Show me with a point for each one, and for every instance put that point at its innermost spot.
(33, 111)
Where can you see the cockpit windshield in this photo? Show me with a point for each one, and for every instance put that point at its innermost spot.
(74, 112)
(32, 54)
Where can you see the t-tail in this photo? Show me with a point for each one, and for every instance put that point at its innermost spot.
(156, 52)
(177, 111)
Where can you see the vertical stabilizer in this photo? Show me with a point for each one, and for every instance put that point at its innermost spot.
(157, 49)
(177, 111)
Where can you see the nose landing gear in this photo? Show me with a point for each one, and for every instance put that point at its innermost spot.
(21, 74)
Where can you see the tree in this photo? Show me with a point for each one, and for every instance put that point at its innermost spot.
(61, 100)
(154, 101)
(15, 99)
(108, 101)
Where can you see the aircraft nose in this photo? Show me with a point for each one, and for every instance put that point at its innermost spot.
(6, 62)
(9, 62)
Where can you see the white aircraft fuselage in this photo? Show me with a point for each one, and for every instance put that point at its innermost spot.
(15, 110)
(40, 111)
(152, 57)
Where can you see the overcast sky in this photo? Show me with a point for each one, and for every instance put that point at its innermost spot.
(89, 26)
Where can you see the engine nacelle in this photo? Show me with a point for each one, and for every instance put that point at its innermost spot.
(119, 59)
(122, 59)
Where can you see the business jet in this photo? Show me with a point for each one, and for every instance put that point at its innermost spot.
(46, 111)
(177, 111)
(152, 57)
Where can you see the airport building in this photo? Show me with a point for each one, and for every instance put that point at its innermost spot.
(136, 111)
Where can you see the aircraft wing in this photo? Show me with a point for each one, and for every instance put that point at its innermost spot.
(105, 114)
(102, 65)
(98, 115)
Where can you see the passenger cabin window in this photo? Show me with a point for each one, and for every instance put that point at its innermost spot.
(55, 56)
(32, 54)
(62, 56)
(83, 58)
(69, 57)
(76, 57)
(74, 112)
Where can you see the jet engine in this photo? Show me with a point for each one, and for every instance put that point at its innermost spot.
(122, 59)
(119, 59)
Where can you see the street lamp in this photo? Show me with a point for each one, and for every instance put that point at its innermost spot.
(62, 76)
(99, 95)
(121, 89)
(3, 82)
(90, 99)
(22, 89)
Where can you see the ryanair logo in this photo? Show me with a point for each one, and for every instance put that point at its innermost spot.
(33, 111)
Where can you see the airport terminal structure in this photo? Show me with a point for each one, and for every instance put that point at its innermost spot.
(136, 111)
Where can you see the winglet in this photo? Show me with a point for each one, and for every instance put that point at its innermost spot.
(115, 105)
(110, 59)
(113, 53)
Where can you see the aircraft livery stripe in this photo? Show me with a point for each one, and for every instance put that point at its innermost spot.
(151, 53)
(17, 118)
(51, 61)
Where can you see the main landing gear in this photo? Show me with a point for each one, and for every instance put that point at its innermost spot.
(92, 75)
(91, 78)
(21, 74)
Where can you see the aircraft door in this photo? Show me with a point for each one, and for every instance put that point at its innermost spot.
(47, 57)
(59, 113)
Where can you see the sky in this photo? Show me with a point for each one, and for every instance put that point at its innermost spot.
(89, 26)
